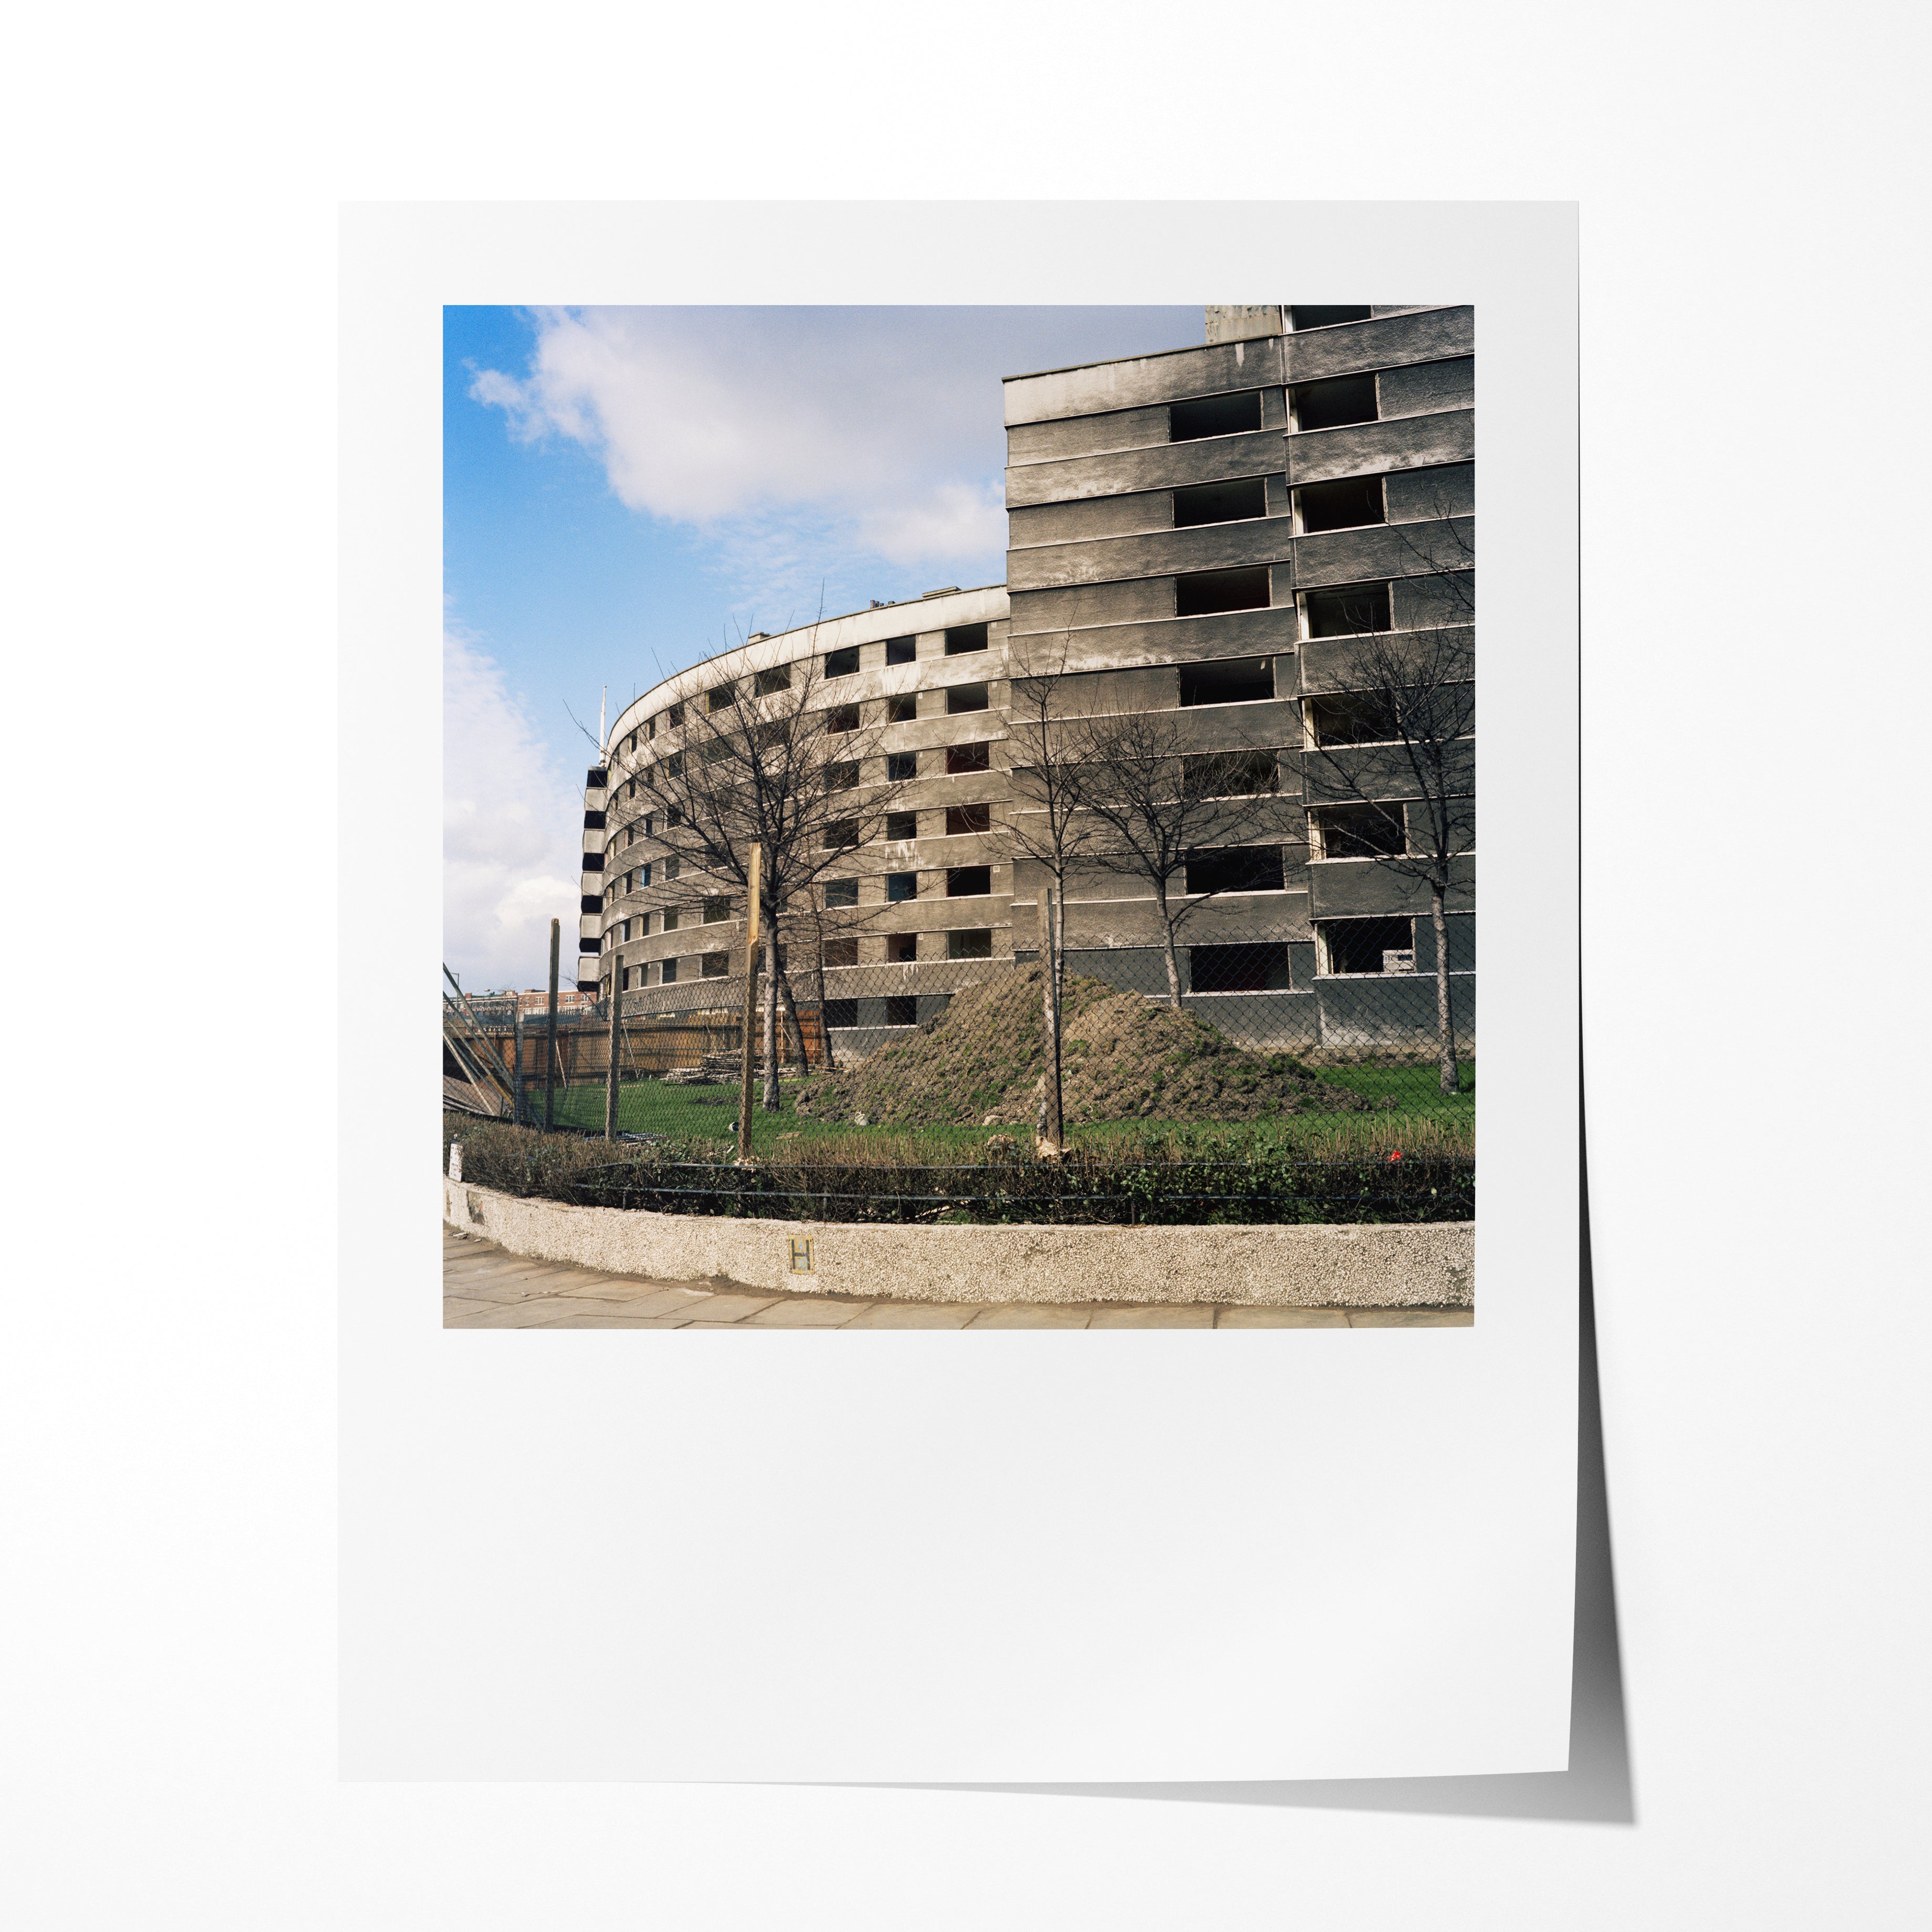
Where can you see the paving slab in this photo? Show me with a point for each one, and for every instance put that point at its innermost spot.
(1033, 1315)
(919, 1315)
(522, 1314)
(715, 1308)
(1280, 1317)
(1411, 1318)
(1141, 1315)
(799, 1312)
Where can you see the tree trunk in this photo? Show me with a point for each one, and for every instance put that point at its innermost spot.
(794, 1032)
(1445, 1028)
(1173, 959)
(1059, 939)
(770, 1028)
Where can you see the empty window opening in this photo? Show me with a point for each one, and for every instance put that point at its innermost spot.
(843, 663)
(640, 877)
(1349, 505)
(670, 919)
(962, 638)
(721, 699)
(1260, 968)
(716, 751)
(673, 815)
(841, 834)
(673, 866)
(841, 892)
(901, 650)
(900, 825)
(975, 943)
(1351, 717)
(667, 974)
(843, 776)
(1236, 502)
(1205, 592)
(1358, 831)
(1233, 774)
(716, 965)
(590, 903)
(593, 862)
(594, 778)
(650, 729)
(1347, 399)
(774, 732)
(900, 885)
(1245, 868)
(1299, 319)
(842, 717)
(716, 911)
(1365, 945)
(901, 948)
(969, 882)
(1228, 681)
(1346, 612)
(593, 821)
(841, 952)
(674, 717)
(965, 698)
(901, 766)
(962, 819)
(903, 709)
(969, 757)
(674, 765)
(1214, 415)
(767, 683)
(841, 1013)
(901, 1009)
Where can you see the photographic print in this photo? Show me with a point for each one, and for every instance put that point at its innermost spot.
(960, 817)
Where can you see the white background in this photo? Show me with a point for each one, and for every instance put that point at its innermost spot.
(1750, 433)
(909, 1558)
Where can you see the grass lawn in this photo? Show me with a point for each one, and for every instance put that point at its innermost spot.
(1422, 1117)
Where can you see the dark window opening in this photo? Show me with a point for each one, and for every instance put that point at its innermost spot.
(673, 815)
(976, 942)
(650, 729)
(591, 903)
(841, 952)
(962, 638)
(716, 911)
(767, 683)
(721, 699)
(901, 948)
(594, 778)
(843, 776)
(1237, 502)
(1233, 774)
(977, 757)
(670, 924)
(841, 892)
(593, 862)
(593, 821)
(674, 765)
(841, 1013)
(965, 698)
(1347, 399)
(716, 965)
(1238, 969)
(969, 882)
(901, 1009)
(841, 834)
(1245, 868)
(1368, 945)
(1349, 611)
(1350, 505)
(901, 766)
(1351, 718)
(1206, 592)
(668, 975)
(902, 825)
(903, 709)
(641, 876)
(963, 819)
(716, 751)
(771, 734)
(842, 663)
(674, 717)
(673, 866)
(1360, 831)
(1228, 681)
(1299, 319)
(1214, 415)
(900, 650)
(900, 885)
(842, 717)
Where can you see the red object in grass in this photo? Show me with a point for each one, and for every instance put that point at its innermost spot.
(1396, 1154)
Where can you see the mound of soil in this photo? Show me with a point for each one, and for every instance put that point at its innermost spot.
(1122, 1058)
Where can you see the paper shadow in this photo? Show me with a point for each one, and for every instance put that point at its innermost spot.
(1596, 1789)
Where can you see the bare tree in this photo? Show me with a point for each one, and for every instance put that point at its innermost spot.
(1167, 816)
(1048, 823)
(771, 757)
(1388, 760)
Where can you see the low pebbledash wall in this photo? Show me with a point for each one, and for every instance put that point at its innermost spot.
(1429, 1265)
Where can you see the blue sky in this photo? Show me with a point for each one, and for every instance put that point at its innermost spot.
(627, 490)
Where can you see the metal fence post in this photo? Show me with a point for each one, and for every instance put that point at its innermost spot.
(610, 1076)
(750, 1009)
(550, 1052)
(1052, 1127)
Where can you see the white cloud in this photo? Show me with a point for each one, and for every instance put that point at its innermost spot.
(774, 428)
(510, 840)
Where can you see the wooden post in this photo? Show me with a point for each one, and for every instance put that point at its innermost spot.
(751, 1006)
(610, 1078)
(549, 1050)
(1052, 1127)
